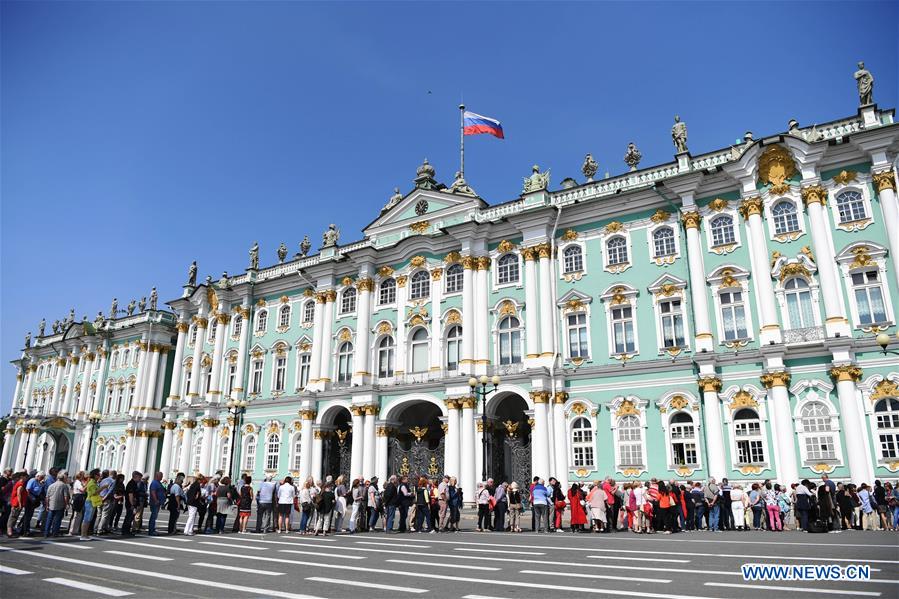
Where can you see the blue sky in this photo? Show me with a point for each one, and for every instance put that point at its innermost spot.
(137, 137)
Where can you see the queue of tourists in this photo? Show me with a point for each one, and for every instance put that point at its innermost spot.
(98, 503)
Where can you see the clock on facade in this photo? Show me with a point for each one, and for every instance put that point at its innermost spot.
(421, 207)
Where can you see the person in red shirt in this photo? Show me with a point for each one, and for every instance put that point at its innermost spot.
(17, 502)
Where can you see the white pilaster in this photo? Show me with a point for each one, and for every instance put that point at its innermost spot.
(540, 458)
(885, 184)
(315, 363)
(436, 323)
(100, 371)
(142, 368)
(546, 303)
(358, 446)
(89, 358)
(193, 392)
(481, 312)
(327, 325)
(307, 417)
(815, 197)
(479, 450)
(33, 449)
(369, 450)
(209, 423)
(56, 401)
(187, 443)
(782, 419)
(531, 308)
(451, 446)
(21, 437)
(751, 209)
(168, 436)
(362, 355)
(177, 368)
(153, 358)
(29, 385)
(316, 471)
(221, 331)
(20, 376)
(69, 409)
(698, 297)
(466, 363)
(382, 433)
(711, 404)
(560, 446)
(860, 462)
(238, 392)
(8, 440)
(401, 294)
(466, 468)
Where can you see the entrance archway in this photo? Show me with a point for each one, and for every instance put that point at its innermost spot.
(508, 439)
(417, 447)
(337, 443)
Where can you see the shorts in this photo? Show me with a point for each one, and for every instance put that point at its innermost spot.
(284, 508)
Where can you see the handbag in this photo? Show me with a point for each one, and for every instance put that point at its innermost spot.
(559, 504)
(78, 502)
(491, 503)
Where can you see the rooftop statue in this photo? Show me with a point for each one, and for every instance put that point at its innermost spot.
(305, 246)
(282, 252)
(98, 321)
(71, 318)
(225, 282)
(41, 326)
(589, 167)
(865, 81)
(56, 326)
(537, 181)
(192, 274)
(154, 298)
(254, 256)
(142, 305)
(679, 135)
(131, 306)
(395, 199)
(460, 185)
(330, 237)
(28, 339)
(633, 156)
(113, 308)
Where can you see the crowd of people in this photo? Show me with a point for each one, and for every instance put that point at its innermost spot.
(103, 503)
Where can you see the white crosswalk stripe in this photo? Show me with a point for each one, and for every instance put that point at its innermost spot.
(93, 588)
(602, 576)
(12, 571)
(237, 569)
(442, 565)
(140, 555)
(367, 585)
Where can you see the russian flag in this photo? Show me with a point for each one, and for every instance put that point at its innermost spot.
(474, 124)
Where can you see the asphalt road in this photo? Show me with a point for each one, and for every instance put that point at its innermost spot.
(465, 565)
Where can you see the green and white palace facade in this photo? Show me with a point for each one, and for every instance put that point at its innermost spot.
(713, 316)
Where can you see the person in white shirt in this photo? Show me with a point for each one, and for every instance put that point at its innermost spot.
(286, 495)
(264, 503)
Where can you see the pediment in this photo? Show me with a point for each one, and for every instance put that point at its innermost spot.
(576, 296)
(421, 205)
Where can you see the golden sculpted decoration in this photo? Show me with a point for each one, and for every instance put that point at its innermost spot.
(883, 389)
(814, 194)
(417, 261)
(420, 227)
(847, 372)
(776, 166)
(743, 399)
(718, 204)
(627, 408)
(751, 206)
(775, 379)
(844, 177)
(884, 180)
(452, 258)
(613, 227)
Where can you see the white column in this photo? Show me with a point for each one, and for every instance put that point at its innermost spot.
(401, 292)
(168, 436)
(479, 450)
(19, 378)
(531, 307)
(324, 376)
(885, 184)
(751, 209)
(56, 402)
(209, 424)
(187, 443)
(546, 302)
(363, 330)
(238, 391)
(784, 435)
(141, 384)
(318, 318)
(540, 439)
(100, 370)
(22, 436)
(151, 465)
(69, 409)
(436, 322)
(466, 468)
(177, 368)
(8, 440)
(481, 311)
(698, 296)
(221, 328)
(860, 464)
(29, 385)
(560, 445)
(357, 447)
(307, 417)
(193, 392)
(466, 363)
(710, 386)
(33, 449)
(152, 365)
(316, 471)
(369, 450)
(156, 398)
(382, 435)
(86, 383)
(815, 198)
(451, 446)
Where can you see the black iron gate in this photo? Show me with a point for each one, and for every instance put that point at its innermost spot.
(338, 453)
(509, 453)
(418, 459)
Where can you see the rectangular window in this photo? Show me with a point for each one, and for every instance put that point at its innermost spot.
(888, 446)
(733, 315)
(684, 454)
(672, 323)
(280, 373)
(869, 297)
(623, 330)
(232, 376)
(820, 448)
(256, 377)
(583, 457)
(305, 365)
(577, 335)
(631, 454)
(750, 452)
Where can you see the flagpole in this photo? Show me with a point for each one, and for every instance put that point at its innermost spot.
(462, 140)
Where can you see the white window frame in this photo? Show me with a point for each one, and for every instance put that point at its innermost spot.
(348, 299)
(761, 409)
(458, 275)
(877, 255)
(667, 412)
(651, 246)
(411, 366)
(735, 223)
(622, 245)
(457, 341)
(782, 291)
(261, 322)
(257, 368)
(629, 295)
(248, 458)
(236, 326)
(574, 273)
(284, 309)
(514, 263)
(343, 375)
(498, 340)
(279, 367)
(854, 224)
(742, 278)
(304, 362)
(272, 458)
(661, 317)
(798, 210)
(308, 311)
(583, 328)
(391, 290)
(389, 352)
(587, 447)
(419, 285)
(296, 452)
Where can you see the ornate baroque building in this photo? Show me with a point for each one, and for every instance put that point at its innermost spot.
(713, 316)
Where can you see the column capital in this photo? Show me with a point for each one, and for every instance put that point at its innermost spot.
(544, 250)
(775, 379)
(468, 403)
(453, 403)
(222, 318)
(540, 396)
(846, 372)
(469, 262)
(306, 414)
(365, 284)
(401, 280)
(436, 274)
(182, 326)
(188, 423)
(330, 295)
(884, 180)
(370, 410)
(560, 397)
(169, 425)
(750, 206)
(201, 322)
(210, 422)
(483, 262)
(814, 194)
(383, 431)
(321, 297)
(357, 410)
(709, 384)
(530, 254)
(691, 219)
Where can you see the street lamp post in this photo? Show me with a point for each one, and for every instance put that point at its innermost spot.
(236, 407)
(883, 340)
(483, 392)
(30, 426)
(94, 418)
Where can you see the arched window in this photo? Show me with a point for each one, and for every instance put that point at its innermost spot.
(236, 325)
(582, 443)
(386, 355)
(851, 206)
(261, 321)
(348, 300)
(387, 291)
(284, 317)
(616, 249)
(509, 340)
(272, 451)
(818, 437)
(131, 388)
(453, 347)
(785, 218)
(210, 333)
(722, 228)
(256, 376)
(114, 362)
(887, 413)
(345, 362)
(100, 457)
(683, 440)
(577, 335)
(454, 278)
(663, 242)
(799, 303)
(249, 453)
(420, 285)
(630, 441)
(419, 350)
(573, 259)
(507, 269)
(296, 453)
(869, 297)
(127, 353)
(733, 315)
(225, 453)
(748, 434)
(309, 311)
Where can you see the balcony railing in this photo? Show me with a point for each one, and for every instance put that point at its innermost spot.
(804, 335)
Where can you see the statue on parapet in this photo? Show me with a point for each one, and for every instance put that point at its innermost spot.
(865, 81)
(282, 253)
(41, 326)
(305, 246)
(589, 167)
(679, 135)
(254, 256)
(330, 237)
(192, 274)
(537, 181)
